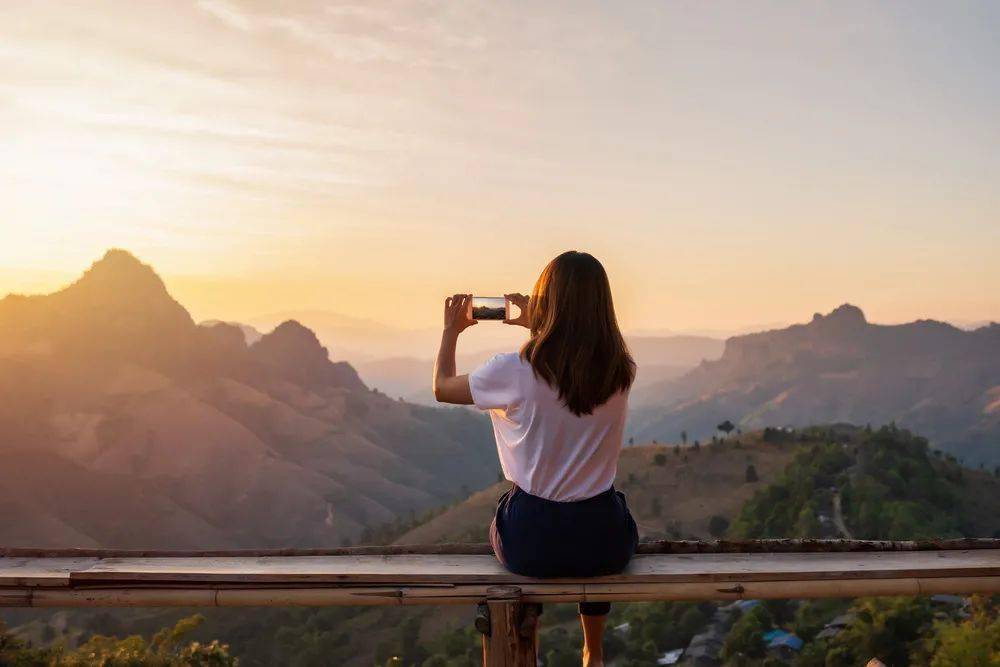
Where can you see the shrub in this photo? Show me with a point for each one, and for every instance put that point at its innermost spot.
(718, 525)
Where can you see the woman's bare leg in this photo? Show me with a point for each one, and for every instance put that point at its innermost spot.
(593, 640)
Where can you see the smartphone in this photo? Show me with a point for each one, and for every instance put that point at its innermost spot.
(489, 308)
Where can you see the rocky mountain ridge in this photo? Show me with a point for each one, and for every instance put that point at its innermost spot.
(928, 376)
(126, 425)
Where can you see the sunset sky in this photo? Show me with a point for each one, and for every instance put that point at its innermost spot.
(732, 163)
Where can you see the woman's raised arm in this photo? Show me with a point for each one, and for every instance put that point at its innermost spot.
(448, 387)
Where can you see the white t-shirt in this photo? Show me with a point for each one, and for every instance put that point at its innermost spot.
(544, 448)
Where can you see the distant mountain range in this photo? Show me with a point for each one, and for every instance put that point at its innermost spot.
(354, 338)
(659, 358)
(125, 424)
(250, 334)
(933, 378)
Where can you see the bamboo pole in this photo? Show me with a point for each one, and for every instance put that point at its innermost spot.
(470, 594)
(483, 548)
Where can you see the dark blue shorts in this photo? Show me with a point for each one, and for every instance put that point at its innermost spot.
(536, 537)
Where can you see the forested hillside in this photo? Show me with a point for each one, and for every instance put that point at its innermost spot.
(886, 484)
(882, 484)
(674, 491)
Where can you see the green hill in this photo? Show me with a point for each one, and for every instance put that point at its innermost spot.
(886, 484)
(674, 491)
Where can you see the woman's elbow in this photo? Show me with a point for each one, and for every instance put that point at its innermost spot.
(441, 391)
(454, 390)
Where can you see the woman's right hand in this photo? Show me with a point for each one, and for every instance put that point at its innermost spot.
(522, 302)
(456, 313)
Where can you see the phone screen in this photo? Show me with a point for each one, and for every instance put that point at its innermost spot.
(489, 308)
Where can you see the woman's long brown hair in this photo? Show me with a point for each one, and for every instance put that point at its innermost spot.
(575, 345)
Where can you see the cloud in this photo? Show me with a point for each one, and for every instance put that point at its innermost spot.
(227, 13)
(313, 33)
(361, 34)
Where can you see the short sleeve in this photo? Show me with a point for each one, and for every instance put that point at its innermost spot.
(494, 384)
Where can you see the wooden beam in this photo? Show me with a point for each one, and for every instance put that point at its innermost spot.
(512, 640)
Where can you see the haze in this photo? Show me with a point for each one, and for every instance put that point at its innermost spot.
(731, 165)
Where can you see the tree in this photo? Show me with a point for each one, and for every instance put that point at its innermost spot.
(883, 628)
(972, 642)
(684, 437)
(812, 616)
(745, 638)
(726, 427)
(15, 651)
(412, 651)
(660, 459)
(168, 648)
(718, 525)
(806, 524)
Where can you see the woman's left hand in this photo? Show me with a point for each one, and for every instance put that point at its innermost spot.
(456, 313)
(522, 302)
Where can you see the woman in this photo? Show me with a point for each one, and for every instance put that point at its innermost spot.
(558, 411)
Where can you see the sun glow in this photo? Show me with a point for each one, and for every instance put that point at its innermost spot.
(363, 150)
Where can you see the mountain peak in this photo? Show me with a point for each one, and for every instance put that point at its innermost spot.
(119, 308)
(292, 344)
(121, 257)
(119, 283)
(121, 266)
(843, 315)
(293, 331)
(294, 350)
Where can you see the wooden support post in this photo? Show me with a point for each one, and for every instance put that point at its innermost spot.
(512, 637)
